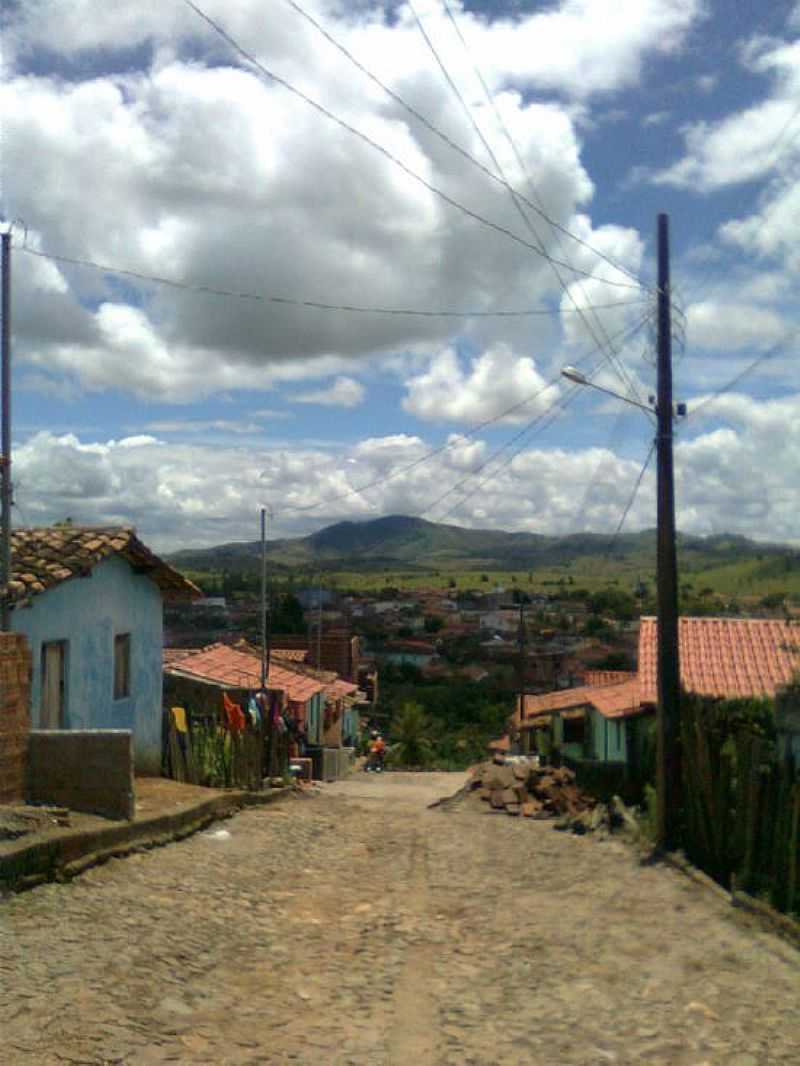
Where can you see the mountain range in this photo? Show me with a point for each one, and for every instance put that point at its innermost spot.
(400, 541)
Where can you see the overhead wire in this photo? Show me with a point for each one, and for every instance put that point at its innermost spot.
(454, 145)
(366, 139)
(554, 264)
(631, 499)
(384, 479)
(523, 437)
(709, 400)
(211, 290)
(554, 414)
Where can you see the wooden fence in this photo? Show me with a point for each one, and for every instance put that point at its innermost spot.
(207, 753)
(741, 801)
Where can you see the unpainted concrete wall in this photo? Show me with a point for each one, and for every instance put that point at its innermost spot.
(15, 722)
(86, 770)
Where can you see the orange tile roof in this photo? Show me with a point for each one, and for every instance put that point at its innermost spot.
(292, 655)
(44, 556)
(607, 677)
(612, 701)
(617, 701)
(339, 688)
(725, 657)
(555, 701)
(174, 655)
(224, 665)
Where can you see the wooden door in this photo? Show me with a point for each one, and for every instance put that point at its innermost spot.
(54, 685)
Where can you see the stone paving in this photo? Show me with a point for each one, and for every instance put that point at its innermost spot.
(359, 928)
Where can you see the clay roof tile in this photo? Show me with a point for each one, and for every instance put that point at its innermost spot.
(44, 557)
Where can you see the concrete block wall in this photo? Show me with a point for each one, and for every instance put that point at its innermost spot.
(87, 770)
(15, 721)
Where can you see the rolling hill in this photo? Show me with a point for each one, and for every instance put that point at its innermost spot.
(414, 544)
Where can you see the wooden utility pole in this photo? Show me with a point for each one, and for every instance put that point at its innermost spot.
(263, 611)
(522, 656)
(5, 437)
(668, 770)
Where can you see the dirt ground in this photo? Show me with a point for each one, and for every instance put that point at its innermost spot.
(360, 928)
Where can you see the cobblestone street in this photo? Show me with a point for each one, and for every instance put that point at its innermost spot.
(360, 928)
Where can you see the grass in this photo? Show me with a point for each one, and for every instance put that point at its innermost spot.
(748, 579)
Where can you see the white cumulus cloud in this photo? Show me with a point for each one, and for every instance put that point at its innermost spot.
(344, 392)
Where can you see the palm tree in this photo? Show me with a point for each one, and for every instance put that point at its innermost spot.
(412, 745)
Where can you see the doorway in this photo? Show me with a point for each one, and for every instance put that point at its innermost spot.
(54, 685)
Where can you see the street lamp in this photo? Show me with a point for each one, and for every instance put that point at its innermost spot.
(668, 769)
(578, 378)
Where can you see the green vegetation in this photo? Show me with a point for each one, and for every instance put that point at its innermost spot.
(408, 554)
(441, 723)
(411, 742)
(411, 553)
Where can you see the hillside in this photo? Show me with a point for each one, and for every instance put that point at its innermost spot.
(414, 544)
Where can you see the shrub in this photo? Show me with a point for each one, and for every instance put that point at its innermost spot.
(411, 737)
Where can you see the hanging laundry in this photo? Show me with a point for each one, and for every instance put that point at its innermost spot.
(254, 712)
(179, 719)
(233, 714)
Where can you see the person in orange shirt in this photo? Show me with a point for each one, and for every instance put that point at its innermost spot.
(377, 753)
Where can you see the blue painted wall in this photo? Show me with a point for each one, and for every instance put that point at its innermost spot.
(608, 738)
(315, 714)
(89, 612)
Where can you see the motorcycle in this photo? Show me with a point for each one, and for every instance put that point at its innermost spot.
(374, 763)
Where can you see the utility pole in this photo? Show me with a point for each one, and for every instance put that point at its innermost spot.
(263, 612)
(5, 437)
(319, 621)
(521, 667)
(668, 770)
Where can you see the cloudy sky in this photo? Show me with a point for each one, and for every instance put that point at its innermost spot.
(302, 175)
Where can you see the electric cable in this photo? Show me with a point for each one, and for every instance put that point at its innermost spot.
(526, 432)
(278, 80)
(211, 290)
(629, 504)
(449, 444)
(736, 379)
(420, 117)
(619, 367)
(554, 413)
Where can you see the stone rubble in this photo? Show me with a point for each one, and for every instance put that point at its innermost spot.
(523, 787)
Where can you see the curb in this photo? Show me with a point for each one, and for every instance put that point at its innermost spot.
(780, 924)
(30, 864)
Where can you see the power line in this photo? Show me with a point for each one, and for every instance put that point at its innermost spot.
(631, 330)
(629, 504)
(735, 380)
(389, 155)
(553, 414)
(617, 366)
(420, 117)
(211, 290)
(563, 402)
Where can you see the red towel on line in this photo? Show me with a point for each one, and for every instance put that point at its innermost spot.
(234, 715)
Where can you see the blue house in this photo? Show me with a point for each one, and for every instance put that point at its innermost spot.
(90, 602)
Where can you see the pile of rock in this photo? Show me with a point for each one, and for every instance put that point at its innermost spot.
(523, 787)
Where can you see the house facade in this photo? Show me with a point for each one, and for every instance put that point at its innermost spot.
(606, 720)
(90, 603)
